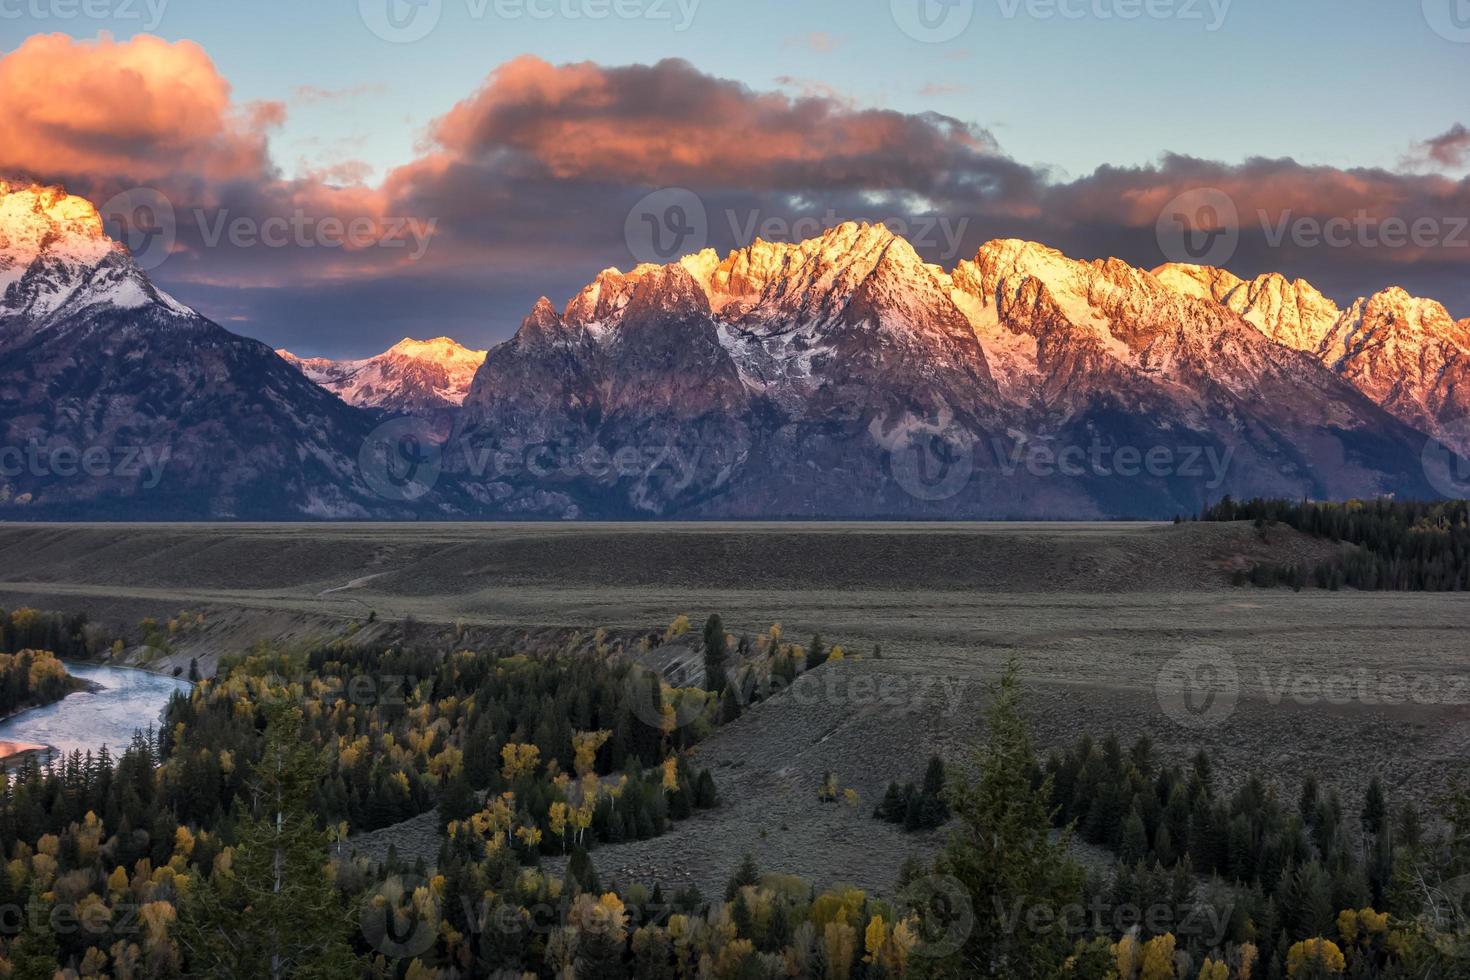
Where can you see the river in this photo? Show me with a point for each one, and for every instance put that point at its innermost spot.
(130, 700)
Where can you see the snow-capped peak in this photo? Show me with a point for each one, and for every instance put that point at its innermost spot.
(411, 376)
(54, 253)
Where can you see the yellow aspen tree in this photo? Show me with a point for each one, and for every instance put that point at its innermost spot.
(896, 954)
(156, 917)
(731, 958)
(875, 937)
(840, 942)
(1214, 970)
(1127, 957)
(94, 963)
(1158, 958)
(1323, 953)
(556, 821)
(585, 746)
(671, 773)
(1248, 955)
(518, 760)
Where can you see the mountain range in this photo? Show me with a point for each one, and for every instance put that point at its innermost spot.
(837, 377)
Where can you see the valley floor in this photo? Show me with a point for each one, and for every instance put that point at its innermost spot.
(1113, 624)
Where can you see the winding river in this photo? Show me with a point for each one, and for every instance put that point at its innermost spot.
(130, 700)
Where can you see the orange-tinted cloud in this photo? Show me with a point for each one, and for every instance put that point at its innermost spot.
(669, 123)
(140, 109)
(530, 180)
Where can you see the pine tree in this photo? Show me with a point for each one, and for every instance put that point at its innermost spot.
(1375, 808)
(816, 654)
(1134, 845)
(275, 913)
(581, 871)
(1004, 854)
(746, 874)
(706, 796)
(716, 678)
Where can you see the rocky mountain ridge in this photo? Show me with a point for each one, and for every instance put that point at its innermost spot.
(837, 377)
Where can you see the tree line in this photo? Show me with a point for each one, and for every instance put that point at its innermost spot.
(1397, 545)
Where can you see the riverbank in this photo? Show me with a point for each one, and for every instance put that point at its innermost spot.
(13, 750)
(75, 685)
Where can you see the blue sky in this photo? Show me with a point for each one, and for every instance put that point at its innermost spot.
(1341, 82)
(1336, 83)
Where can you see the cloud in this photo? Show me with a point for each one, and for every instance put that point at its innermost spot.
(817, 42)
(1450, 149)
(140, 109)
(314, 95)
(932, 90)
(670, 124)
(528, 183)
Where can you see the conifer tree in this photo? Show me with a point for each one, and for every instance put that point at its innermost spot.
(275, 913)
(1004, 855)
(716, 678)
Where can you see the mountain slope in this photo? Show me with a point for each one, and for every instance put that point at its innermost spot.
(1405, 353)
(118, 401)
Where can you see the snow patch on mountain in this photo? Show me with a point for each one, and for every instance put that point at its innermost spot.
(56, 258)
(412, 375)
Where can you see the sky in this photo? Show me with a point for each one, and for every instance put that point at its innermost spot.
(490, 151)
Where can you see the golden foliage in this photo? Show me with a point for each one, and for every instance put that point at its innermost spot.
(1158, 958)
(1322, 952)
(519, 760)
